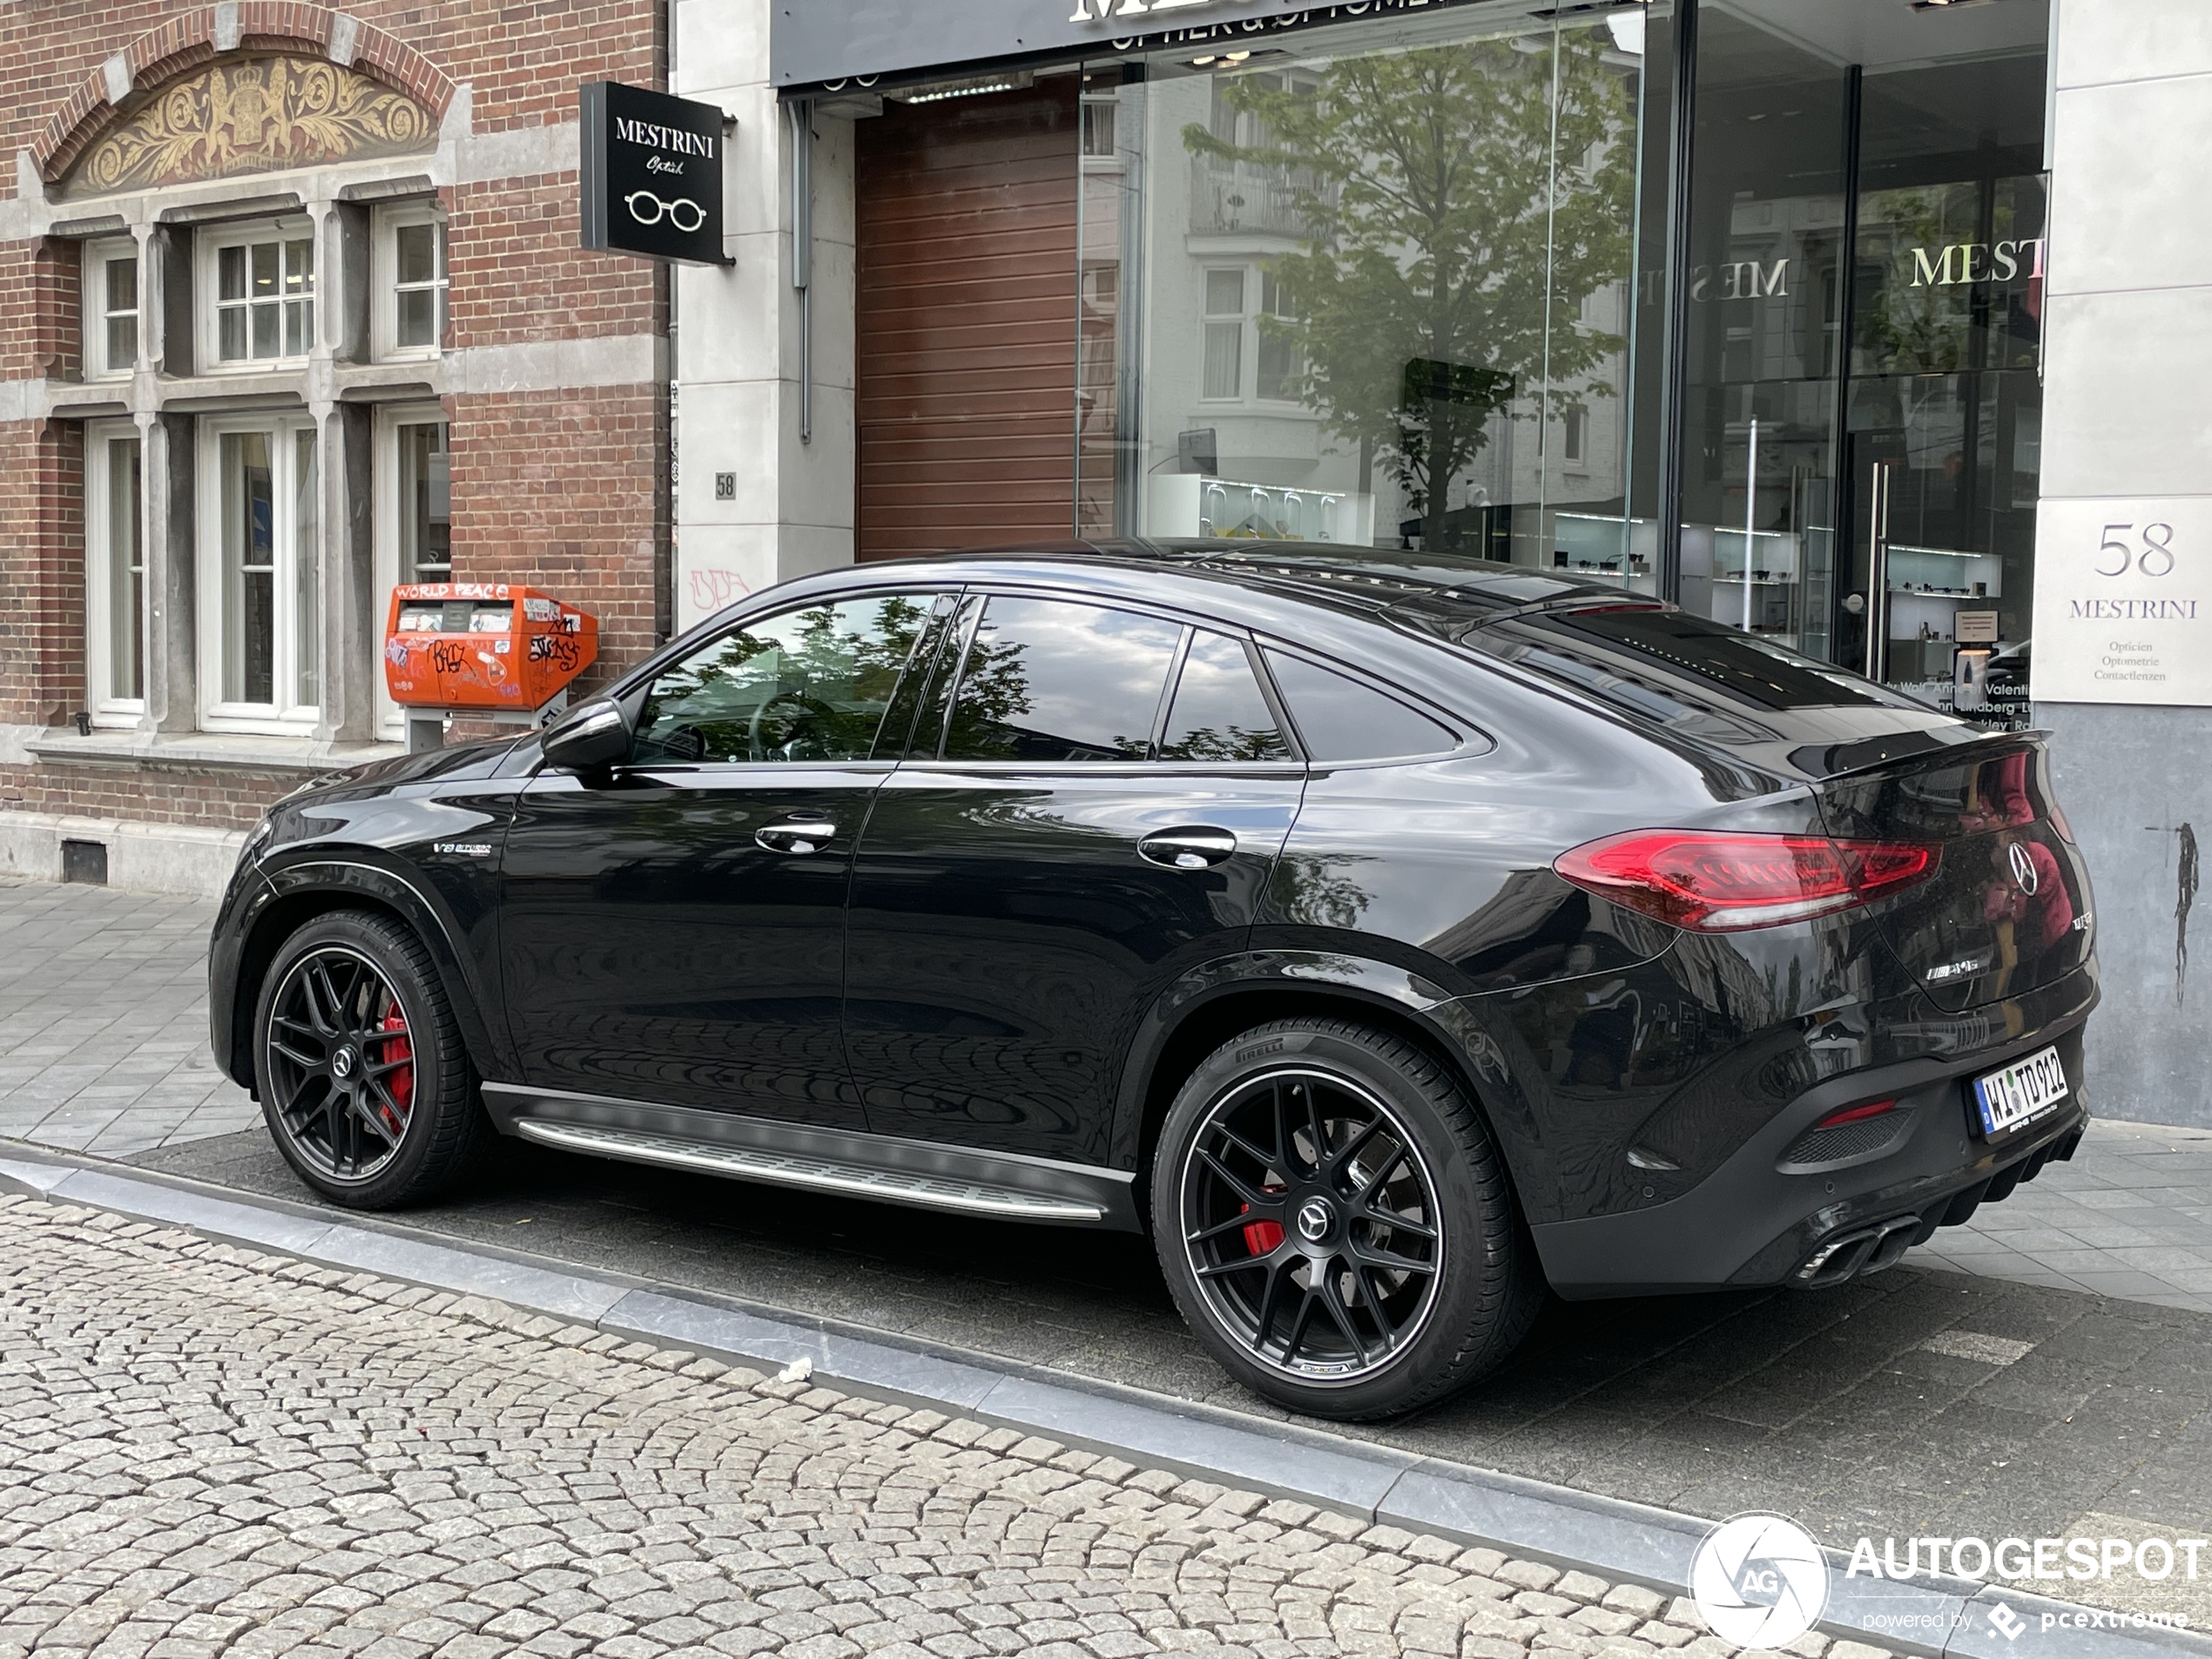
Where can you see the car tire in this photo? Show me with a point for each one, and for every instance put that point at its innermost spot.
(1335, 1222)
(365, 1084)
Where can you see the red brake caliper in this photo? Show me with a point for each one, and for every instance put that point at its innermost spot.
(399, 1046)
(1261, 1237)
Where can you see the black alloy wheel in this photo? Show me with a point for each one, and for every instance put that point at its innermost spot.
(1334, 1220)
(1310, 1221)
(364, 1082)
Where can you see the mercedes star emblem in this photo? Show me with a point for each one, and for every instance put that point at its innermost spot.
(2023, 868)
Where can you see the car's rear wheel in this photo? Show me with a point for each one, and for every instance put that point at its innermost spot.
(1335, 1221)
(365, 1084)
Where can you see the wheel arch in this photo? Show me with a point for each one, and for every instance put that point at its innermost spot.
(1191, 1022)
(299, 894)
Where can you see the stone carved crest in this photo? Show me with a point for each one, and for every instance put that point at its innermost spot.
(253, 114)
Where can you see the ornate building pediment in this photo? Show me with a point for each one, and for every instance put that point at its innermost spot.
(248, 115)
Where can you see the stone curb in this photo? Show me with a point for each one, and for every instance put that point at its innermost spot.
(1612, 1538)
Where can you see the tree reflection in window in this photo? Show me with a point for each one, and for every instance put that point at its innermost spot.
(1458, 204)
(1219, 713)
(1048, 680)
(807, 686)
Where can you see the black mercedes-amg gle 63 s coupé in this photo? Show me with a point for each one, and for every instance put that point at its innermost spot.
(1393, 936)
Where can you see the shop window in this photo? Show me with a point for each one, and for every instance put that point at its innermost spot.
(115, 586)
(262, 284)
(261, 603)
(110, 309)
(1224, 335)
(1417, 220)
(410, 280)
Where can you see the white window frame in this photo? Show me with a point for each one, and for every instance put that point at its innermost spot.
(282, 717)
(101, 596)
(1210, 320)
(390, 219)
(391, 719)
(1258, 310)
(206, 296)
(94, 260)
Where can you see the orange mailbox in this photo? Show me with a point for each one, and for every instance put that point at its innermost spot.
(483, 647)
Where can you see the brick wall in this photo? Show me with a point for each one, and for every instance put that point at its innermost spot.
(561, 491)
(217, 799)
(523, 63)
(558, 488)
(42, 572)
(518, 274)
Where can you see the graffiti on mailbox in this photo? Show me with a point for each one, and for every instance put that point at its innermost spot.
(483, 645)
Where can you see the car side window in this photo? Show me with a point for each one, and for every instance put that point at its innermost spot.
(1339, 718)
(1053, 680)
(1219, 712)
(810, 684)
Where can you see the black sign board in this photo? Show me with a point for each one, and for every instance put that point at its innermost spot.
(651, 173)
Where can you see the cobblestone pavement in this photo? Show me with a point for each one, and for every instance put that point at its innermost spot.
(207, 1452)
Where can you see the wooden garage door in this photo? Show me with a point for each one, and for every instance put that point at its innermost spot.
(967, 325)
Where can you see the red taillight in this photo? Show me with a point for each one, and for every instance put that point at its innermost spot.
(1856, 1114)
(1714, 882)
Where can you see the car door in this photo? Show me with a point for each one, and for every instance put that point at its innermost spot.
(1093, 802)
(672, 930)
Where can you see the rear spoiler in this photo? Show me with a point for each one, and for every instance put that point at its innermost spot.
(1871, 754)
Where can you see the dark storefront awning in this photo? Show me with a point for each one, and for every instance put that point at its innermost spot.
(824, 43)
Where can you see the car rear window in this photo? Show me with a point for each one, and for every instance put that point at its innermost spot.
(1339, 718)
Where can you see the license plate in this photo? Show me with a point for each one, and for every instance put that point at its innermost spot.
(2025, 1090)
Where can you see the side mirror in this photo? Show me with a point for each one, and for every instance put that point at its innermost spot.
(589, 738)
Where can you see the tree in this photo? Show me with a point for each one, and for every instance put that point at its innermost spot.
(1447, 256)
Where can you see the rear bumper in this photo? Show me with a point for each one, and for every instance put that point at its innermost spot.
(1761, 1220)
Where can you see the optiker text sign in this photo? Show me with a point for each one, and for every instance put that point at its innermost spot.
(1120, 11)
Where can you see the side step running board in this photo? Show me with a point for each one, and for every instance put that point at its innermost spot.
(816, 1174)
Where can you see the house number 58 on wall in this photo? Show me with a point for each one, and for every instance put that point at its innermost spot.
(2154, 557)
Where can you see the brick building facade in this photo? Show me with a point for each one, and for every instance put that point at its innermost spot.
(291, 309)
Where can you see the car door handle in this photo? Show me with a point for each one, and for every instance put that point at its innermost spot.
(795, 835)
(1191, 847)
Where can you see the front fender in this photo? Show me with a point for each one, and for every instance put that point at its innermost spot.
(293, 890)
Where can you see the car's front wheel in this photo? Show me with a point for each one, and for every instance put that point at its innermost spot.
(364, 1080)
(1334, 1220)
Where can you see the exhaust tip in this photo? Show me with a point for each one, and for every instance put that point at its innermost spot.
(1859, 1252)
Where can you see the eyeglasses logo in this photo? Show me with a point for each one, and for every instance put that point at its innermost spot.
(675, 212)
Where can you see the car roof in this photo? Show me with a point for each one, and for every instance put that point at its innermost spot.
(1438, 590)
